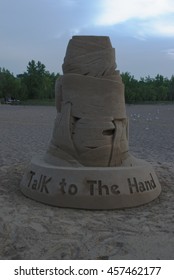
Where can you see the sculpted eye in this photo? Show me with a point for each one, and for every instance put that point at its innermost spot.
(108, 132)
(76, 119)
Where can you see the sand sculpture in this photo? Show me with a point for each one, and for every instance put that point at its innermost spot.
(88, 164)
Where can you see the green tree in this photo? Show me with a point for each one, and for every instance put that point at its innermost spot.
(148, 89)
(39, 82)
(23, 89)
(33, 79)
(8, 84)
(171, 89)
(131, 87)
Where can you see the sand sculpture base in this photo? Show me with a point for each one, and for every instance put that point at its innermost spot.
(90, 187)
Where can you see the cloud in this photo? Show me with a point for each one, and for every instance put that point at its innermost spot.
(69, 3)
(169, 53)
(161, 26)
(116, 11)
(73, 16)
(152, 17)
(41, 30)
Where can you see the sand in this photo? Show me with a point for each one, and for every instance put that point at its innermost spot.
(31, 230)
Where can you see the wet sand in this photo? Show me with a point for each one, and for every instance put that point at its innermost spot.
(31, 230)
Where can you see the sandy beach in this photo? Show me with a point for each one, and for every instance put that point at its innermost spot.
(31, 230)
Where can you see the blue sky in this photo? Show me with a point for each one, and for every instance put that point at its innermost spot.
(141, 31)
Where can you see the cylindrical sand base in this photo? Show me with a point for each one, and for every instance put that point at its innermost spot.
(90, 187)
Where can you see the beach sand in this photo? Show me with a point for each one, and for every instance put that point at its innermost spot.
(31, 230)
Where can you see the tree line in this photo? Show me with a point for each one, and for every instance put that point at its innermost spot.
(35, 83)
(38, 83)
(148, 89)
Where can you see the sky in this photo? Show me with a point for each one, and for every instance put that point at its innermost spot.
(141, 31)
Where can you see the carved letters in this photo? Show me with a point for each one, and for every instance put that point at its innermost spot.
(95, 187)
(136, 187)
(40, 184)
(71, 189)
